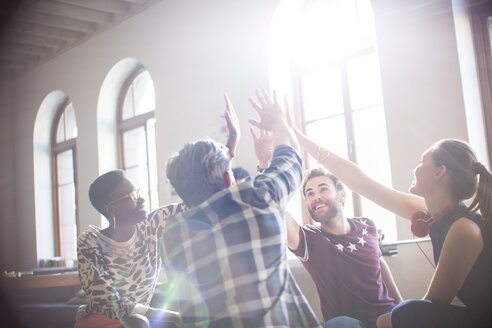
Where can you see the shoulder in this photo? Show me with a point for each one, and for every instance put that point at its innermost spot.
(362, 221)
(465, 228)
(364, 224)
(465, 237)
(87, 239)
(311, 230)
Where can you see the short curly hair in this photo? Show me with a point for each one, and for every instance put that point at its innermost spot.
(197, 171)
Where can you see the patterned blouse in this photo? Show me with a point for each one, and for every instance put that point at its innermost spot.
(119, 278)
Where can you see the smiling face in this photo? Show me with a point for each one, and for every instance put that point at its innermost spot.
(424, 175)
(324, 201)
(126, 207)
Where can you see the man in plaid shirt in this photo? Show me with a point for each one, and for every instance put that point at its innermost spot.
(226, 256)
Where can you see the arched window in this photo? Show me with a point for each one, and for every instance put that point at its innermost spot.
(63, 150)
(326, 50)
(136, 134)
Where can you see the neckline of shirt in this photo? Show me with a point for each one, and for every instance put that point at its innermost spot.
(97, 231)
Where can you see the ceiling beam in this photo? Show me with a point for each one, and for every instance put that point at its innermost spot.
(27, 48)
(14, 55)
(109, 6)
(49, 31)
(36, 40)
(56, 21)
(70, 11)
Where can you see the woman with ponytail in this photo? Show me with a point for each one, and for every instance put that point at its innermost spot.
(447, 174)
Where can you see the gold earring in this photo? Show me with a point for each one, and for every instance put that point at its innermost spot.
(114, 222)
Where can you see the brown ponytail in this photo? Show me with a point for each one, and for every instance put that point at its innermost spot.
(463, 169)
(483, 197)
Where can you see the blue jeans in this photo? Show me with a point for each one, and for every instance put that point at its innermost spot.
(343, 322)
(424, 314)
(349, 322)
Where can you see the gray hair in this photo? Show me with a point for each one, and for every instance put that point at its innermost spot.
(197, 171)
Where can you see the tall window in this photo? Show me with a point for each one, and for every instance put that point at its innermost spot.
(65, 181)
(335, 83)
(136, 127)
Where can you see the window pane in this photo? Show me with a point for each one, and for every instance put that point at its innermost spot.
(67, 204)
(322, 93)
(366, 18)
(327, 30)
(68, 225)
(60, 130)
(128, 104)
(364, 82)
(65, 167)
(134, 147)
(330, 133)
(373, 158)
(71, 122)
(144, 93)
(135, 157)
(153, 182)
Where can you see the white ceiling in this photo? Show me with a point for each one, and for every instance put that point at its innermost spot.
(39, 30)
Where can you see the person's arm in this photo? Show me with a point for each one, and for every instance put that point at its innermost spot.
(98, 284)
(263, 147)
(293, 229)
(283, 176)
(403, 204)
(389, 281)
(159, 217)
(232, 126)
(462, 246)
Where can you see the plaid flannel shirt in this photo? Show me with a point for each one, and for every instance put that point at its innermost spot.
(226, 258)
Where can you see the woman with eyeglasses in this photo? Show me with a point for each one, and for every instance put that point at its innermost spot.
(119, 265)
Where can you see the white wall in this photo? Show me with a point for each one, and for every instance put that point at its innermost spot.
(196, 50)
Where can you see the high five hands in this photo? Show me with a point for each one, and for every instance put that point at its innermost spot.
(272, 118)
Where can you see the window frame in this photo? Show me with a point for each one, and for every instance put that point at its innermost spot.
(347, 113)
(56, 149)
(480, 12)
(124, 125)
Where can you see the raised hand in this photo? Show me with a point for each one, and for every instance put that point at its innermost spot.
(270, 111)
(263, 147)
(232, 126)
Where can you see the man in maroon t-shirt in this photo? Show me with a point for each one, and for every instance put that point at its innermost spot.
(342, 255)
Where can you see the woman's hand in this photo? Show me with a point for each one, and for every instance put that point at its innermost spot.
(159, 317)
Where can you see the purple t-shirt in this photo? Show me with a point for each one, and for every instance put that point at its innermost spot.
(346, 270)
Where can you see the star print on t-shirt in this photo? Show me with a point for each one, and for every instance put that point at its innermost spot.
(353, 246)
